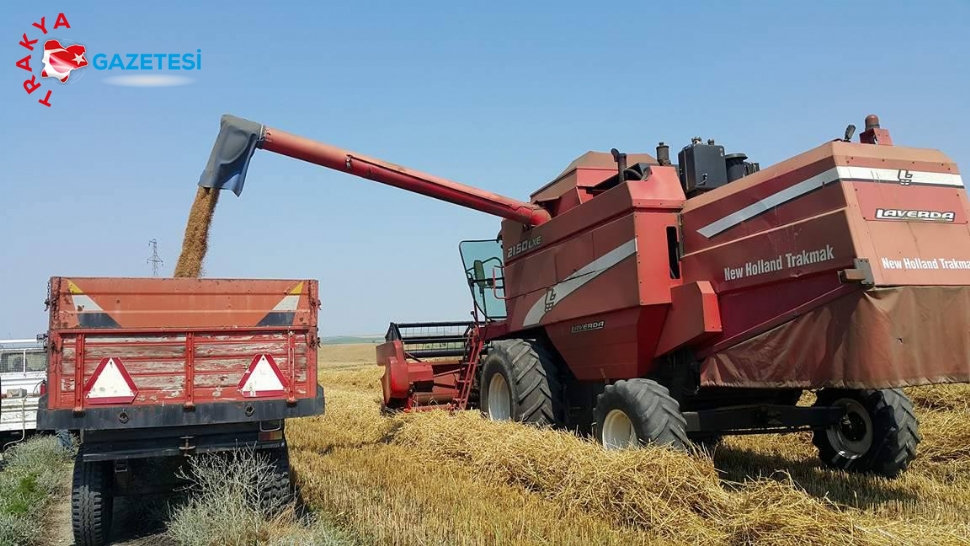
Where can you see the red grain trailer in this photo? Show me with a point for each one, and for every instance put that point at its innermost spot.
(149, 371)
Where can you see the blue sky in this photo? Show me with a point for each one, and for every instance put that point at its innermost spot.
(501, 95)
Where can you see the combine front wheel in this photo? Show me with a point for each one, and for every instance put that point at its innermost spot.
(639, 411)
(878, 433)
(520, 382)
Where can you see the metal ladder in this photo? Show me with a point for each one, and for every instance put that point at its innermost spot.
(466, 376)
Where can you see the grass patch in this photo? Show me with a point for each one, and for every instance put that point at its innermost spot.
(34, 473)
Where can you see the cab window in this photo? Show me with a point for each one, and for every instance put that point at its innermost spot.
(484, 270)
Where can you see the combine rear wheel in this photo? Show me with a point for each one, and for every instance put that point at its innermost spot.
(520, 382)
(92, 502)
(877, 435)
(633, 412)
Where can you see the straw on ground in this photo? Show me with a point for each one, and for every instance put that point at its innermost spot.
(432, 478)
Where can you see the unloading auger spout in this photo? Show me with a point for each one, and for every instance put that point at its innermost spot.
(238, 139)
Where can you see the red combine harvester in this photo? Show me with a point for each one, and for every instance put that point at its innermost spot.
(651, 302)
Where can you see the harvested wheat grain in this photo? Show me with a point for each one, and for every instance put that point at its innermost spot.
(195, 244)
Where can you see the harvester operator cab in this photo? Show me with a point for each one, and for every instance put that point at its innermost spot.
(484, 271)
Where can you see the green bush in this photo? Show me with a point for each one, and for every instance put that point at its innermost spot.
(33, 472)
(17, 530)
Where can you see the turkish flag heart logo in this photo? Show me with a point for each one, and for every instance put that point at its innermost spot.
(60, 61)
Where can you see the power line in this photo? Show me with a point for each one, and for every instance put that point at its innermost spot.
(154, 259)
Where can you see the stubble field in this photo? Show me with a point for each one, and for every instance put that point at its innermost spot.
(434, 478)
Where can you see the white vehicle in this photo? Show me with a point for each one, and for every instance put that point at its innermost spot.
(23, 368)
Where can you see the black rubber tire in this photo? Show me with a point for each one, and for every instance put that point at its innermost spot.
(895, 433)
(92, 501)
(531, 373)
(654, 414)
(278, 490)
(65, 439)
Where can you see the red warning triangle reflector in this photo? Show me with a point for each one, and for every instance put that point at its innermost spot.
(110, 384)
(263, 378)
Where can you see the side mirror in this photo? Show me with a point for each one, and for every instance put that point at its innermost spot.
(480, 279)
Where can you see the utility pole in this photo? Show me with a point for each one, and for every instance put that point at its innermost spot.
(154, 259)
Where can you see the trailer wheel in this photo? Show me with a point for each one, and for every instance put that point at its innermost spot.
(91, 502)
(878, 434)
(633, 412)
(277, 491)
(66, 440)
(520, 382)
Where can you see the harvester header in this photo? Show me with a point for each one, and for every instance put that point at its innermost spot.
(238, 139)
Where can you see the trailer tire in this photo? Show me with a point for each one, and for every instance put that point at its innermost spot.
(888, 438)
(67, 440)
(277, 491)
(531, 390)
(634, 412)
(92, 502)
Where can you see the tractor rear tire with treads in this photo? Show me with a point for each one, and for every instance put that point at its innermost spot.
(91, 502)
(531, 375)
(654, 414)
